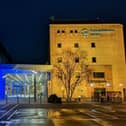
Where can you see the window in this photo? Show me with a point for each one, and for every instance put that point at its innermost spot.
(59, 45)
(77, 75)
(98, 74)
(76, 59)
(59, 59)
(93, 45)
(76, 45)
(94, 59)
(58, 31)
(76, 31)
(71, 31)
(63, 31)
(59, 75)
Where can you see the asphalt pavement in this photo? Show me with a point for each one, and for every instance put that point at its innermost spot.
(66, 114)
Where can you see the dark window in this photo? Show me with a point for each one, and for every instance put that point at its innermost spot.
(59, 75)
(71, 31)
(59, 59)
(59, 45)
(76, 45)
(98, 74)
(77, 74)
(76, 31)
(93, 45)
(58, 31)
(63, 31)
(94, 59)
(77, 60)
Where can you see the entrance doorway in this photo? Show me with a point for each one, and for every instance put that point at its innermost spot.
(26, 88)
(124, 93)
(98, 93)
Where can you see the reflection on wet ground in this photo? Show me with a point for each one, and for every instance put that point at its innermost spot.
(60, 117)
(47, 117)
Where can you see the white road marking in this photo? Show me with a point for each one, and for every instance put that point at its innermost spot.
(11, 115)
(8, 111)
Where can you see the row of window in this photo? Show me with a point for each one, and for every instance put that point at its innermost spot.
(95, 75)
(76, 45)
(63, 31)
(59, 60)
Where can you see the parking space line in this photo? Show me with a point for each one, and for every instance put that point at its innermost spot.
(12, 115)
(8, 111)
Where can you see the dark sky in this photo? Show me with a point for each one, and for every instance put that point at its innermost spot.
(24, 23)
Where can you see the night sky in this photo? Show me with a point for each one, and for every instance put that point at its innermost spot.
(24, 24)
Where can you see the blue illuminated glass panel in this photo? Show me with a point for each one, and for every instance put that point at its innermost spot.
(13, 88)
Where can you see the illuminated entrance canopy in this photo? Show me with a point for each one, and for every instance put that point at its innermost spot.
(19, 80)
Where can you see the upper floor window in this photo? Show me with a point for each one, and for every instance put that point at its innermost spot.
(76, 31)
(58, 31)
(71, 31)
(59, 59)
(59, 45)
(76, 45)
(63, 31)
(93, 59)
(98, 74)
(77, 74)
(93, 45)
(76, 59)
(59, 75)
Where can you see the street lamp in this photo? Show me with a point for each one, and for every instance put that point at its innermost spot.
(108, 85)
(92, 86)
(121, 86)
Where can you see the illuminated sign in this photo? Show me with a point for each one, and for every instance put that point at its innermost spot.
(95, 32)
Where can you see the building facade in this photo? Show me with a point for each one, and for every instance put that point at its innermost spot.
(27, 82)
(104, 44)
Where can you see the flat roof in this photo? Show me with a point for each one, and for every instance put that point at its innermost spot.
(83, 21)
(34, 67)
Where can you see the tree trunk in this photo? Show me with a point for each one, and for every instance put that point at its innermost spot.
(68, 99)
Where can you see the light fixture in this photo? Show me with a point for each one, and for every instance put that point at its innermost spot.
(120, 84)
(108, 84)
(34, 72)
(91, 84)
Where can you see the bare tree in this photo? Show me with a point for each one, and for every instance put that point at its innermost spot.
(71, 70)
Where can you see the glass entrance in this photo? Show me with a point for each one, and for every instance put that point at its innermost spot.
(26, 88)
(124, 93)
(99, 93)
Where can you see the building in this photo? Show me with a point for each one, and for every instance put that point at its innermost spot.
(104, 44)
(28, 83)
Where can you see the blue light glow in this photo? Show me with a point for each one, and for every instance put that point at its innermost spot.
(9, 69)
